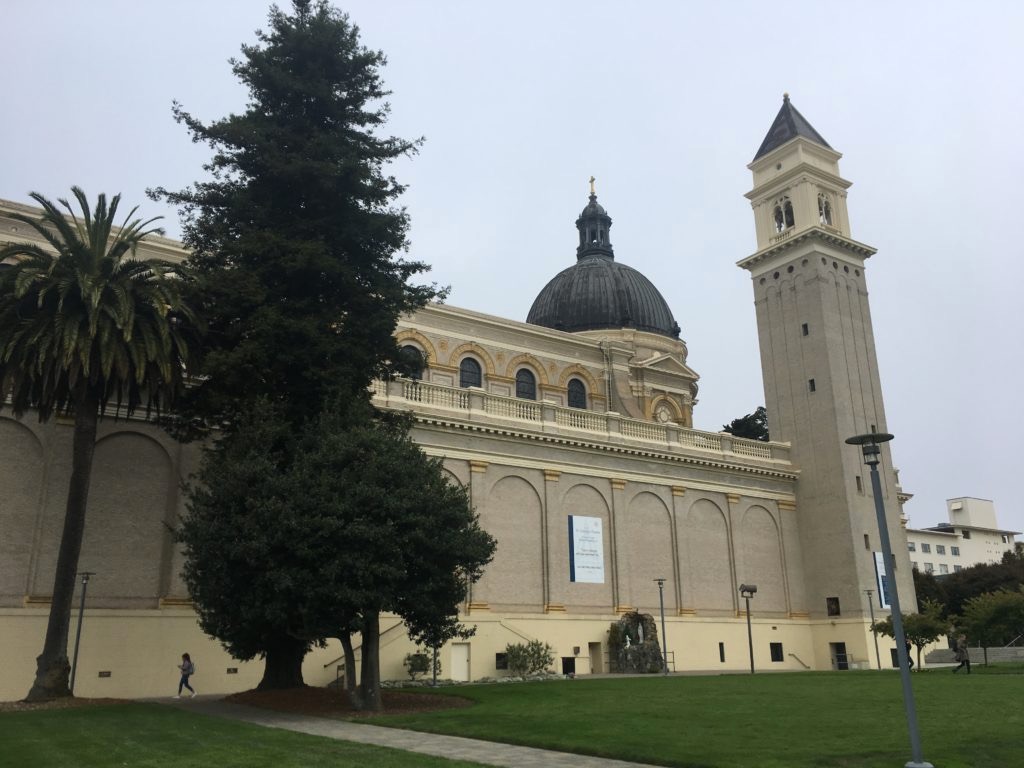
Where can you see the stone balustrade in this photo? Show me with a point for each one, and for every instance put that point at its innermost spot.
(476, 405)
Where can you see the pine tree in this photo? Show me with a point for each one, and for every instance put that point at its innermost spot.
(294, 238)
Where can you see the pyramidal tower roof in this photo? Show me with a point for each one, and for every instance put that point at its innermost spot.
(789, 124)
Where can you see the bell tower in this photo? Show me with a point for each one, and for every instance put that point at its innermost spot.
(821, 377)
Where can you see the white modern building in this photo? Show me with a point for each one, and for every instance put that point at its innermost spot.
(971, 536)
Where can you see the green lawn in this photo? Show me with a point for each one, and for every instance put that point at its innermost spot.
(853, 720)
(809, 720)
(156, 736)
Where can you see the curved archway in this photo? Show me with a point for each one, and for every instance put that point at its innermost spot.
(21, 457)
(511, 513)
(705, 559)
(759, 559)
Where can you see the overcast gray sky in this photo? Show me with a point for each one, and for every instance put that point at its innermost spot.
(665, 103)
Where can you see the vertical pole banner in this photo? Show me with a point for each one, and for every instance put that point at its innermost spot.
(883, 580)
(586, 550)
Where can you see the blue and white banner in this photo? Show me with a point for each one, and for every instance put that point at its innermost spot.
(586, 550)
(882, 575)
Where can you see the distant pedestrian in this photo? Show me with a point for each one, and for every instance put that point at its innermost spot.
(910, 659)
(962, 655)
(187, 670)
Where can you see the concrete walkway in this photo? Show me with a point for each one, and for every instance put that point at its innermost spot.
(451, 747)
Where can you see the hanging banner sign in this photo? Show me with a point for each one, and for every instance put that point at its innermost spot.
(586, 550)
(882, 577)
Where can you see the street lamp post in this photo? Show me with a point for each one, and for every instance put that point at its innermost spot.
(78, 633)
(872, 451)
(747, 591)
(871, 607)
(664, 639)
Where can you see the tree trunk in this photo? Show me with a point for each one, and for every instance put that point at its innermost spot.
(283, 665)
(52, 665)
(350, 669)
(369, 678)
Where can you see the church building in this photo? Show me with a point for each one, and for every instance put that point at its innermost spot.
(573, 433)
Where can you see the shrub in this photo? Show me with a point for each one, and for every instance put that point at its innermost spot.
(530, 658)
(417, 663)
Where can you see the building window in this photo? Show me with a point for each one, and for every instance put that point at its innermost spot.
(929, 568)
(783, 214)
(721, 652)
(867, 541)
(965, 533)
(470, 374)
(860, 484)
(1006, 539)
(577, 394)
(824, 210)
(913, 564)
(943, 568)
(940, 549)
(776, 650)
(526, 384)
(957, 568)
(412, 358)
(501, 661)
(805, 330)
(954, 551)
(926, 548)
(832, 606)
(911, 546)
(811, 386)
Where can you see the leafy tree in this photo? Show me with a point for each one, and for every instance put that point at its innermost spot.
(955, 590)
(753, 426)
(280, 556)
(294, 238)
(994, 618)
(920, 629)
(83, 324)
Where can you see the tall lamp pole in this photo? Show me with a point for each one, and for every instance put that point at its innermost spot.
(871, 448)
(747, 591)
(871, 607)
(664, 639)
(78, 633)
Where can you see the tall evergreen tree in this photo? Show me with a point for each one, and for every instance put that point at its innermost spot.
(84, 324)
(295, 236)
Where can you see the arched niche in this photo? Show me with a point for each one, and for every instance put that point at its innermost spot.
(582, 500)
(126, 528)
(705, 559)
(21, 462)
(760, 559)
(644, 533)
(511, 513)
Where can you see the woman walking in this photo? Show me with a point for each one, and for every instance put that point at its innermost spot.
(187, 670)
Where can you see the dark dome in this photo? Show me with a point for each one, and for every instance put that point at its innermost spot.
(598, 292)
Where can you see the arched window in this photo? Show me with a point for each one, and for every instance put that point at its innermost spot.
(412, 360)
(526, 384)
(577, 394)
(782, 215)
(824, 210)
(470, 374)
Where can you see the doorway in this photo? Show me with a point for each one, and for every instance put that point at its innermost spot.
(596, 662)
(840, 660)
(460, 662)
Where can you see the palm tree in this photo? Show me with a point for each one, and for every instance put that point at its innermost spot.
(84, 324)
